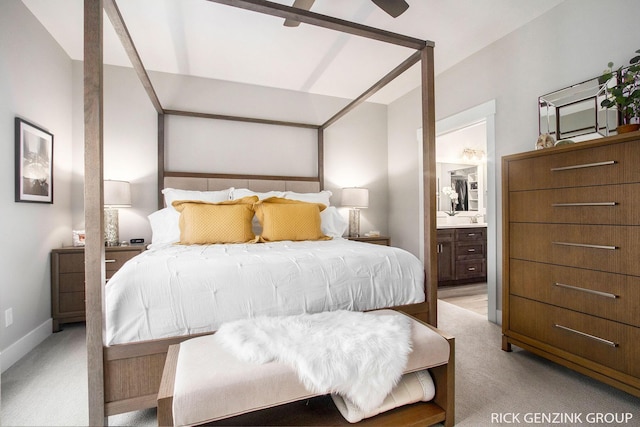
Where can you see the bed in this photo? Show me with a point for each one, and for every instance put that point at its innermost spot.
(124, 372)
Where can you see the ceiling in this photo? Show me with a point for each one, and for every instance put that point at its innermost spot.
(204, 39)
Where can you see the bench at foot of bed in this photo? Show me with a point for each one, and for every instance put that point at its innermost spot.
(216, 388)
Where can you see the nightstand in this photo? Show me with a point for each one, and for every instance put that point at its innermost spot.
(378, 240)
(67, 279)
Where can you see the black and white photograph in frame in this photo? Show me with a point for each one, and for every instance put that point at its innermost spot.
(34, 163)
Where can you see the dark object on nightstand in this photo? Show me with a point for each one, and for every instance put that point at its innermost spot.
(67, 279)
(136, 241)
(378, 240)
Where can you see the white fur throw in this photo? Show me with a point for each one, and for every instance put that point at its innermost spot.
(360, 356)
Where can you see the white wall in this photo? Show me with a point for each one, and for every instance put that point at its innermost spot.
(130, 147)
(570, 44)
(35, 84)
(355, 146)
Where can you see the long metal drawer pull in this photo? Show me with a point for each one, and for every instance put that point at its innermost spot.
(586, 165)
(471, 269)
(471, 250)
(589, 291)
(584, 245)
(109, 260)
(563, 205)
(584, 334)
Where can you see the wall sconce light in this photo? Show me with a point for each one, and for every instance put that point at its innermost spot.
(117, 194)
(355, 198)
(469, 154)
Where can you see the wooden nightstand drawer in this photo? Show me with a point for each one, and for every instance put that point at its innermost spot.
(72, 303)
(72, 282)
(115, 260)
(380, 240)
(68, 280)
(72, 262)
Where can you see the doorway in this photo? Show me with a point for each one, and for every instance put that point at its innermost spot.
(475, 129)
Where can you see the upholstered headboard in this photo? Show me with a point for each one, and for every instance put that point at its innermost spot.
(252, 182)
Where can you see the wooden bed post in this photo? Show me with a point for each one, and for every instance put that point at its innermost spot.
(160, 159)
(93, 201)
(321, 157)
(429, 180)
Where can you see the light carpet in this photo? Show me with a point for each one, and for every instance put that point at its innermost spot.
(48, 387)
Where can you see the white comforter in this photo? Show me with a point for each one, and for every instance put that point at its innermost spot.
(174, 290)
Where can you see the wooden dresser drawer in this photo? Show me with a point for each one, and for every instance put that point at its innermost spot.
(609, 343)
(470, 268)
(608, 248)
(465, 234)
(577, 167)
(607, 295)
(604, 204)
(470, 250)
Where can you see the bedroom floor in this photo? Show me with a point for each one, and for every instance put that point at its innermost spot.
(472, 297)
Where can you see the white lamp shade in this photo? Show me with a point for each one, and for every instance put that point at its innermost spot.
(355, 197)
(117, 194)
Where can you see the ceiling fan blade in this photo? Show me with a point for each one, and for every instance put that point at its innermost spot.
(394, 8)
(300, 4)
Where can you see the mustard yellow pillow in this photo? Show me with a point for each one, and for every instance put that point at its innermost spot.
(284, 219)
(225, 222)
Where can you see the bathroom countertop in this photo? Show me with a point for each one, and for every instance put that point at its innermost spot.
(440, 226)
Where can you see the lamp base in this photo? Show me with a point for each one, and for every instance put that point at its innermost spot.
(111, 237)
(354, 223)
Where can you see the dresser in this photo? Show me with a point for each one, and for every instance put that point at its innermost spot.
(462, 255)
(67, 279)
(571, 257)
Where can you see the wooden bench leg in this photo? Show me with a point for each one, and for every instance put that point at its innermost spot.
(445, 380)
(165, 394)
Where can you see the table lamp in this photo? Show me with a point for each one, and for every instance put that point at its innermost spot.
(117, 194)
(355, 198)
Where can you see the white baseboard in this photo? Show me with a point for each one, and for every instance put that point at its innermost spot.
(24, 345)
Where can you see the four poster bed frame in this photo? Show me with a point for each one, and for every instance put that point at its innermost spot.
(126, 377)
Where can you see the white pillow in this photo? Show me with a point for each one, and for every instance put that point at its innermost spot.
(333, 223)
(172, 194)
(320, 197)
(165, 226)
(239, 193)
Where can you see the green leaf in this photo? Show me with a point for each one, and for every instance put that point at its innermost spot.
(634, 59)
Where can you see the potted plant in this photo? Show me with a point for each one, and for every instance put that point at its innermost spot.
(453, 195)
(622, 87)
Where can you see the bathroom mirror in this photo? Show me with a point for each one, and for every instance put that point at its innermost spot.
(575, 113)
(466, 180)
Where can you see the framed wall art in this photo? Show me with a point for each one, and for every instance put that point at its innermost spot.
(34, 163)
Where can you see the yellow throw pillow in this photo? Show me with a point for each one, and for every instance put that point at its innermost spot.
(284, 219)
(204, 223)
